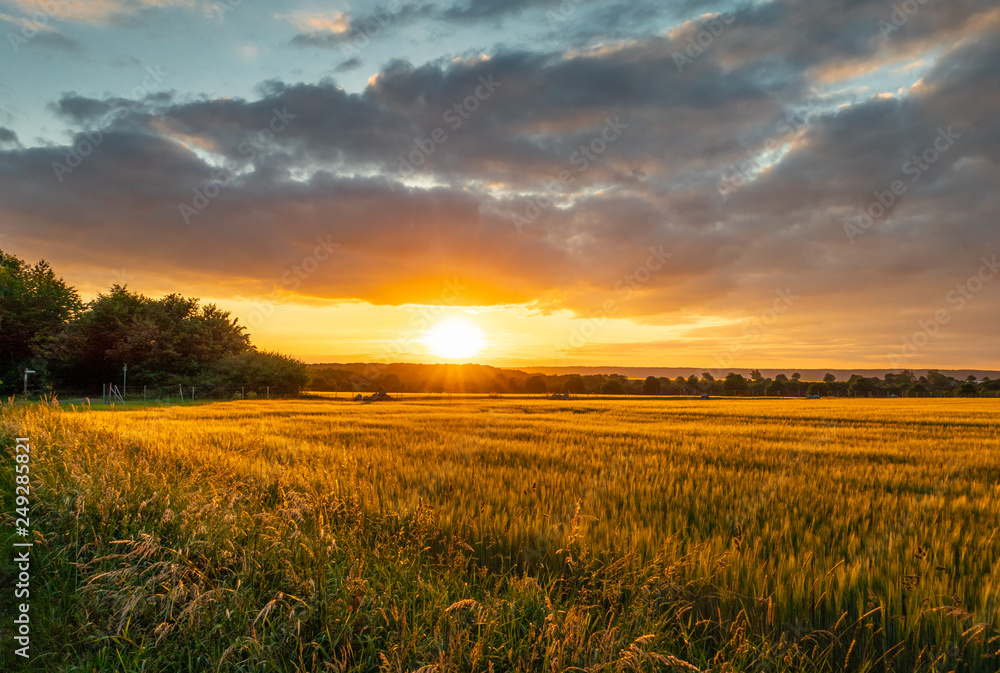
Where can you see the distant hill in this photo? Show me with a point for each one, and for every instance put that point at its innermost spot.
(807, 374)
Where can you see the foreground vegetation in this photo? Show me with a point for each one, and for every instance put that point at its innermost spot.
(730, 535)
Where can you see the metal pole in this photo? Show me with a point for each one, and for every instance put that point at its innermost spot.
(181, 388)
(124, 379)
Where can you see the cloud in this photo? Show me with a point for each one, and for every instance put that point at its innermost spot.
(94, 11)
(474, 10)
(40, 34)
(24, 22)
(333, 173)
(349, 64)
(337, 29)
(8, 138)
(329, 22)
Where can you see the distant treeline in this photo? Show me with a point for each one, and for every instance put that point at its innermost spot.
(420, 378)
(165, 343)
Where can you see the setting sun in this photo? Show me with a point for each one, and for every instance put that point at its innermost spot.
(455, 338)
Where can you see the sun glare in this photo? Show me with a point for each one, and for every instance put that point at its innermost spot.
(455, 338)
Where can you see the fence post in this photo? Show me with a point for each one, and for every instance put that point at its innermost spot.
(181, 388)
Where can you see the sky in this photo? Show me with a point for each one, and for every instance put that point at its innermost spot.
(727, 185)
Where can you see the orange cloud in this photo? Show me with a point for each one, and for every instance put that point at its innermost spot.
(92, 11)
(331, 22)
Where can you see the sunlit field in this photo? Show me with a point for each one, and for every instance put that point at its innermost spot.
(514, 534)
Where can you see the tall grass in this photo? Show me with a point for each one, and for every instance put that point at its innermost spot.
(515, 535)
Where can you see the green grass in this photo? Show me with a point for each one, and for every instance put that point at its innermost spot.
(523, 535)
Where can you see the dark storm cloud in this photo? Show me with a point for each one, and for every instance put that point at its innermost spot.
(332, 172)
(8, 138)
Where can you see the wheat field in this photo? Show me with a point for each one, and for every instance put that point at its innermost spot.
(514, 534)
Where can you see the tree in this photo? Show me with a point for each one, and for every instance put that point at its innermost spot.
(391, 383)
(821, 388)
(939, 381)
(35, 308)
(613, 387)
(829, 378)
(651, 386)
(781, 378)
(967, 389)
(756, 375)
(574, 385)
(775, 389)
(735, 384)
(917, 390)
(163, 341)
(257, 371)
(861, 386)
(794, 386)
(535, 386)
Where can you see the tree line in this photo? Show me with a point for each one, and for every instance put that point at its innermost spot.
(417, 378)
(72, 346)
